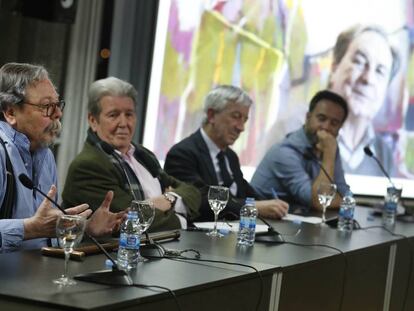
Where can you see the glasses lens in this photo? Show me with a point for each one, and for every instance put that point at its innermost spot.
(51, 108)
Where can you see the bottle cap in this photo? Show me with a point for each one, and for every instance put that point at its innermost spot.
(250, 200)
(108, 263)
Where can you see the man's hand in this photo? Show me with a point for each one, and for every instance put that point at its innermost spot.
(161, 203)
(81, 210)
(103, 221)
(327, 143)
(43, 223)
(274, 209)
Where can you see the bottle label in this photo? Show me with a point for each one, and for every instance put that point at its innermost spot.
(252, 224)
(346, 212)
(244, 223)
(129, 241)
(390, 206)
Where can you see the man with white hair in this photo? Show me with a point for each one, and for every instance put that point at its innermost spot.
(205, 157)
(111, 161)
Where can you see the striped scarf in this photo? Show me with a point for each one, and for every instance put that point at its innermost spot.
(130, 180)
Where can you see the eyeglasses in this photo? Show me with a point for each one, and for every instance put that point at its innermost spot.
(49, 108)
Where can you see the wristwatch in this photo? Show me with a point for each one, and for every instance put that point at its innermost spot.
(170, 198)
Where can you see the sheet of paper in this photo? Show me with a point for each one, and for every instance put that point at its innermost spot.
(227, 226)
(298, 218)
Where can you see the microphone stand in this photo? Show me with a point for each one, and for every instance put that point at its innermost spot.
(333, 221)
(271, 236)
(310, 156)
(407, 217)
(369, 153)
(109, 277)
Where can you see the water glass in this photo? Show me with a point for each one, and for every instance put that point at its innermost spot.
(69, 231)
(326, 193)
(146, 213)
(217, 199)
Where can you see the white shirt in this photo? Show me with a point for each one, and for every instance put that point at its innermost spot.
(214, 150)
(151, 185)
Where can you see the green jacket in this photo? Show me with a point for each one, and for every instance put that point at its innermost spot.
(91, 175)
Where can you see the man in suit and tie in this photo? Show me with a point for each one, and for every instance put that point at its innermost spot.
(205, 158)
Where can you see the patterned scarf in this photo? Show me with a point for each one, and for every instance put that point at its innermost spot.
(131, 181)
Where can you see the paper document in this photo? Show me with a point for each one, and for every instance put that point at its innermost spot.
(297, 218)
(227, 226)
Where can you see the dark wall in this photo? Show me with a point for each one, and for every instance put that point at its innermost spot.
(132, 43)
(140, 77)
(33, 40)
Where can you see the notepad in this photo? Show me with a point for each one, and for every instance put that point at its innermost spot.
(227, 226)
(298, 218)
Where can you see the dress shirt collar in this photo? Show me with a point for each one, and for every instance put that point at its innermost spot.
(299, 139)
(20, 139)
(212, 147)
(129, 154)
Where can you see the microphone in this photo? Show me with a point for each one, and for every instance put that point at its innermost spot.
(114, 276)
(271, 236)
(310, 156)
(28, 183)
(332, 222)
(369, 153)
(111, 150)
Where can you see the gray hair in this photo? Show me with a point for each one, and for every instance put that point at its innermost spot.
(347, 36)
(14, 79)
(218, 98)
(108, 87)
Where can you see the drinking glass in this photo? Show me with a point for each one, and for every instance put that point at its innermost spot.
(326, 193)
(146, 213)
(217, 198)
(69, 231)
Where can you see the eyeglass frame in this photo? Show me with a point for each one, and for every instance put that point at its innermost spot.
(61, 104)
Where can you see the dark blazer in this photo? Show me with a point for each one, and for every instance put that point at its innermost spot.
(91, 174)
(190, 161)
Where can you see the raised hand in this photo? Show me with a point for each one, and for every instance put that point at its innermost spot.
(103, 221)
(43, 223)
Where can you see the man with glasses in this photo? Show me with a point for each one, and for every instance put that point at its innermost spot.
(29, 123)
(49, 108)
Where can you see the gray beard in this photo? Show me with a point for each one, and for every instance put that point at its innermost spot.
(55, 127)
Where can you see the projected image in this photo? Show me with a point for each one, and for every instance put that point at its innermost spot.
(282, 52)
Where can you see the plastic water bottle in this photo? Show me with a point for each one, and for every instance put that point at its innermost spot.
(129, 242)
(346, 213)
(247, 226)
(390, 206)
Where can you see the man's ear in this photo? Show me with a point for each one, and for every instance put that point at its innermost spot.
(210, 115)
(10, 115)
(93, 121)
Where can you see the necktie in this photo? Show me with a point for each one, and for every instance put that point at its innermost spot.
(225, 176)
